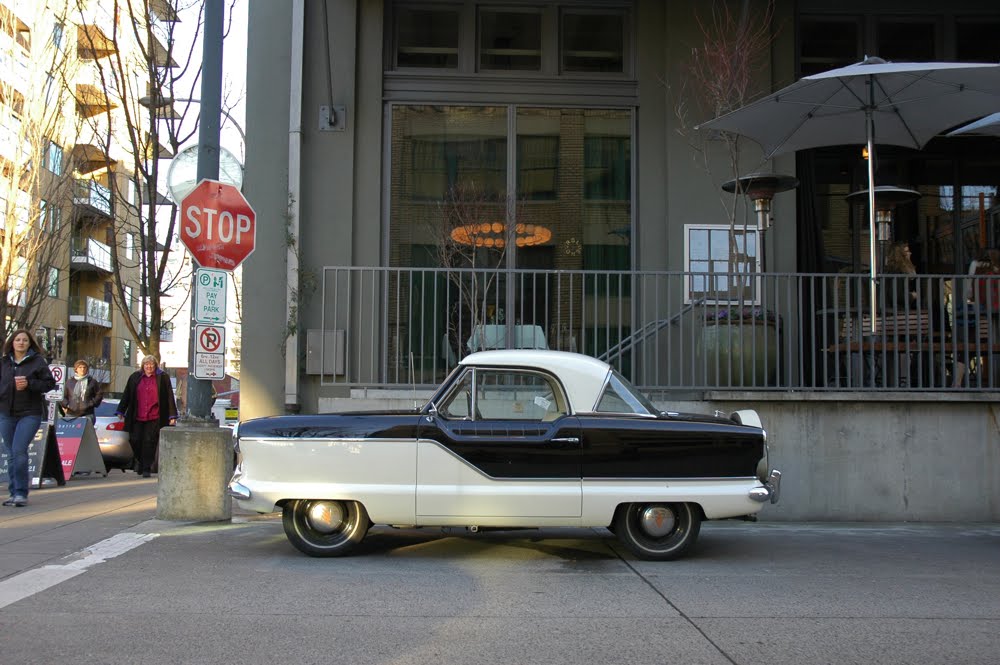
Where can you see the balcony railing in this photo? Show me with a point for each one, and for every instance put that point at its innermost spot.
(90, 254)
(90, 311)
(669, 330)
(93, 195)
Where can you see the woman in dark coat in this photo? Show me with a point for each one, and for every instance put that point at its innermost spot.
(147, 405)
(83, 392)
(24, 380)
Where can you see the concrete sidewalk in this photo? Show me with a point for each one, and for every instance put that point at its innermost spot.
(62, 520)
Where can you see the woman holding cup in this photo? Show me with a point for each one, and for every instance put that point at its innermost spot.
(24, 380)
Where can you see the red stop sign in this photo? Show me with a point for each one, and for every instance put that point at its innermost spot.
(218, 226)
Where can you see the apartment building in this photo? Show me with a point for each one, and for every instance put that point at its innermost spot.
(77, 215)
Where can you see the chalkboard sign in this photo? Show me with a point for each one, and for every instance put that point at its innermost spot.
(43, 459)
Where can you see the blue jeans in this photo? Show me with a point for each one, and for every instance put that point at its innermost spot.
(16, 432)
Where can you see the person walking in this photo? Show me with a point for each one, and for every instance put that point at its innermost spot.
(83, 393)
(24, 380)
(146, 406)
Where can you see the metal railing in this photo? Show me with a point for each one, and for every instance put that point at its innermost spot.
(670, 330)
(94, 195)
(92, 253)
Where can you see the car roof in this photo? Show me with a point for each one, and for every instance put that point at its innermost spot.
(582, 376)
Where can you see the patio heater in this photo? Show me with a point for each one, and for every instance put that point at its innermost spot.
(887, 198)
(761, 188)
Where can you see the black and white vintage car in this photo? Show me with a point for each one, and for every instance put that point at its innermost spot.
(510, 439)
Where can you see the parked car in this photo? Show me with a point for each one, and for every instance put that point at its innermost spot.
(510, 439)
(112, 437)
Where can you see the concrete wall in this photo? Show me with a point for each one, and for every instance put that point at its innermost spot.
(853, 457)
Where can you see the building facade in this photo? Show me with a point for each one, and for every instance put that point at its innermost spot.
(443, 176)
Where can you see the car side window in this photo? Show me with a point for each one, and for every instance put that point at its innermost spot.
(612, 402)
(458, 405)
(503, 394)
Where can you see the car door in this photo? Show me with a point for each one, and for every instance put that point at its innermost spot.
(500, 444)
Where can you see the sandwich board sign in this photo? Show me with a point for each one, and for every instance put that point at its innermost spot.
(43, 459)
(79, 451)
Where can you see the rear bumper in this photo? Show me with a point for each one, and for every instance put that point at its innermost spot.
(770, 490)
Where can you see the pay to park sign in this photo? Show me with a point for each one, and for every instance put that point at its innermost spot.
(210, 295)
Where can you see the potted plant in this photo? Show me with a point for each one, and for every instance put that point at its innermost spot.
(739, 345)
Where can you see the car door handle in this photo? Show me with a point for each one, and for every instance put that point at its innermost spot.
(574, 440)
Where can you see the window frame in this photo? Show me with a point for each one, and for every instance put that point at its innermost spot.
(756, 285)
(469, 38)
(53, 288)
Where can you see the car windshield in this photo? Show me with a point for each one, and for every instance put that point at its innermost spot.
(620, 396)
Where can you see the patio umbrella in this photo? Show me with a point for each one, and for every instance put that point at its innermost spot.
(874, 101)
(988, 126)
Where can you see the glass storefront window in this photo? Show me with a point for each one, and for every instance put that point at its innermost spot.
(455, 202)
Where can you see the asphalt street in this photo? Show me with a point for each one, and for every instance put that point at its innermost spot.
(87, 575)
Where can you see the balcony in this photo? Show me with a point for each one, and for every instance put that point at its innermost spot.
(90, 255)
(93, 197)
(92, 100)
(92, 41)
(88, 157)
(88, 311)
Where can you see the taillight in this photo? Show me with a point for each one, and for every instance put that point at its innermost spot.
(116, 426)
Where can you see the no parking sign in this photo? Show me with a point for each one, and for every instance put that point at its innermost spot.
(209, 352)
(56, 395)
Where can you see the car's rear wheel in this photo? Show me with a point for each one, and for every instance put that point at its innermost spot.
(658, 531)
(320, 527)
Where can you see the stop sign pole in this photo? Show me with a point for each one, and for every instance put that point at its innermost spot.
(198, 404)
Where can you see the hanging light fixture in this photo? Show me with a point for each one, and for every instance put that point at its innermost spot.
(495, 235)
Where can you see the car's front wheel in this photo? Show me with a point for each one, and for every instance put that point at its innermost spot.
(320, 527)
(658, 531)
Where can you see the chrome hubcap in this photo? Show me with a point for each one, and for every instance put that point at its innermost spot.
(657, 521)
(325, 516)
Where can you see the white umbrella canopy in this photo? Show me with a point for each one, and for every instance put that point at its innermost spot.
(988, 126)
(874, 101)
